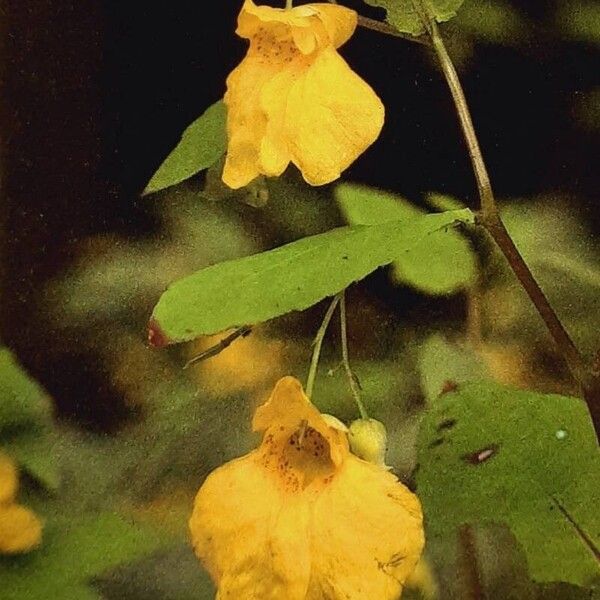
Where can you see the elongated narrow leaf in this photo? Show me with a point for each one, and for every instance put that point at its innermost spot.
(293, 277)
(489, 453)
(442, 263)
(201, 145)
(403, 16)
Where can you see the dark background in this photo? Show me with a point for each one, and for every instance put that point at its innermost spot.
(95, 95)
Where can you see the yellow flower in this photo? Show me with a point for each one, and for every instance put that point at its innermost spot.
(20, 529)
(294, 99)
(300, 518)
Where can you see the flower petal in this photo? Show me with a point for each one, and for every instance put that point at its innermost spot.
(246, 122)
(367, 535)
(332, 116)
(339, 21)
(252, 540)
(20, 529)
(287, 408)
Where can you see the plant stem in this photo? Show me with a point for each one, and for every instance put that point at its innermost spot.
(346, 361)
(317, 344)
(289, 4)
(382, 27)
(490, 219)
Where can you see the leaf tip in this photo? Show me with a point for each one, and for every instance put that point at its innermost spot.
(156, 336)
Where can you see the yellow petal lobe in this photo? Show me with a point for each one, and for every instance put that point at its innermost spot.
(20, 529)
(300, 518)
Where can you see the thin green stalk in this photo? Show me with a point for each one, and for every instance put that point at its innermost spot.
(346, 361)
(317, 344)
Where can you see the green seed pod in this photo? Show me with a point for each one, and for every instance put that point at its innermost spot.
(368, 440)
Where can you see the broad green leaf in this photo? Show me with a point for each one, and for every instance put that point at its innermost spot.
(402, 15)
(442, 263)
(292, 277)
(201, 145)
(74, 550)
(26, 425)
(488, 453)
(443, 365)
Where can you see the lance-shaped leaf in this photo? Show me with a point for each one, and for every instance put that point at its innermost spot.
(488, 453)
(201, 145)
(403, 16)
(292, 277)
(442, 263)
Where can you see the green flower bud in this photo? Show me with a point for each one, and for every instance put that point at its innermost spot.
(368, 440)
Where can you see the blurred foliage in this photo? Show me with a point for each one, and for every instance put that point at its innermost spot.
(579, 19)
(441, 263)
(443, 366)
(560, 249)
(26, 427)
(116, 505)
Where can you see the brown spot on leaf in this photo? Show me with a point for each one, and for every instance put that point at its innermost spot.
(437, 442)
(449, 386)
(481, 456)
(446, 424)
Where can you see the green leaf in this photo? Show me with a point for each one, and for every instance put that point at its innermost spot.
(22, 400)
(488, 453)
(201, 145)
(74, 550)
(555, 241)
(26, 424)
(402, 15)
(444, 365)
(34, 450)
(292, 277)
(442, 263)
